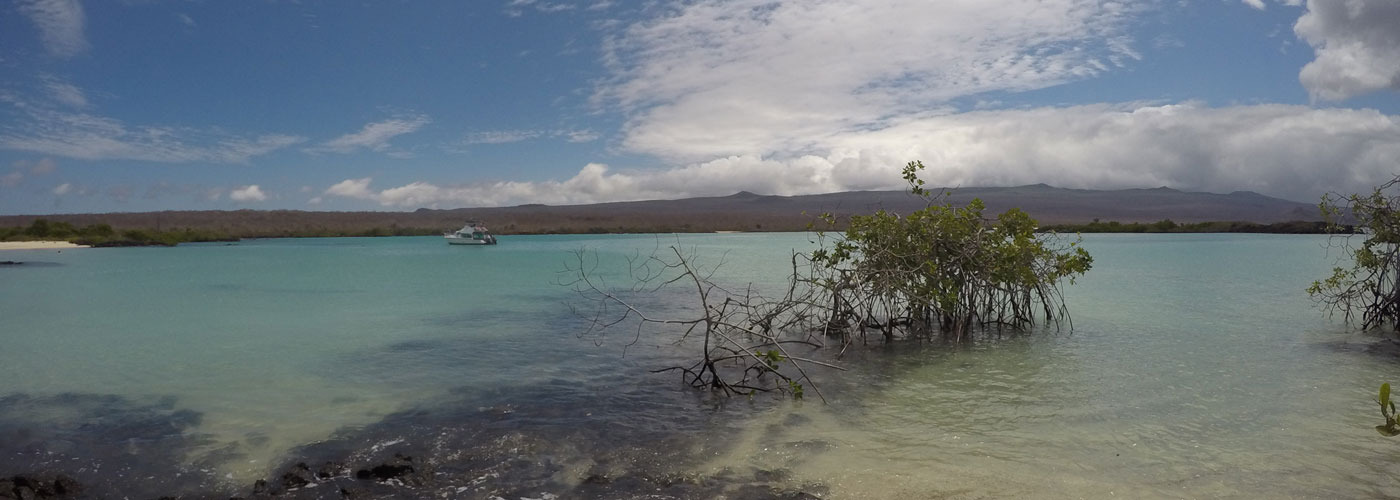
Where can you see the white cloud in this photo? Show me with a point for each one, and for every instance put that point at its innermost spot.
(757, 77)
(247, 193)
(351, 188)
(45, 129)
(1296, 152)
(1357, 46)
(186, 20)
(64, 92)
(555, 7)
(60, 24)
(500, 136)
(509, 136)
(581, 135)
(374, 136)
(1258, 4)
(63, 189)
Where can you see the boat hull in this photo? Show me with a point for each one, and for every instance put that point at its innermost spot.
(467, 241)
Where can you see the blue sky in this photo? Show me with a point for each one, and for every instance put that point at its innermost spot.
(394, 105)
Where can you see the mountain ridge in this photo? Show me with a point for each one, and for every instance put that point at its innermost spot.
(741, 211)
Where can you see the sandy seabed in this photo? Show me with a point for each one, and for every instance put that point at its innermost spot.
(38, 245)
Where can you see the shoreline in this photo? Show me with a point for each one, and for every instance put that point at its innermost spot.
(38, 245)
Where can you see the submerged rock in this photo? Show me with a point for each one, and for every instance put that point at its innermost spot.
(399, 467)
(34, 487)
(300, 475)
(330, 470)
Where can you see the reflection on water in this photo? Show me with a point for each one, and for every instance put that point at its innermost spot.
(1197, 367)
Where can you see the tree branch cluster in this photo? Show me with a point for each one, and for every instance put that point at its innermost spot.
(941, 270)
(1368, 290)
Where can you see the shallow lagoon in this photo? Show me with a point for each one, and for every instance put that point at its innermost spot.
(1197, 366)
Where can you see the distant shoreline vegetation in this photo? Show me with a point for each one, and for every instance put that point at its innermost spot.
(104, 235)
(1168, 226)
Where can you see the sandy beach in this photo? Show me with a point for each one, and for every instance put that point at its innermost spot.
(38, 245)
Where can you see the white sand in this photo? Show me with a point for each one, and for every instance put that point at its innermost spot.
(37, 245)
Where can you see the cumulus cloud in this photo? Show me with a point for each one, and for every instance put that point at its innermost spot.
(352, 188)
(11, 179)
(247, 193)
(1295, 152)
(60, 24)
(1357, 46)
(374, 136)
(725, 77)
(63, 189)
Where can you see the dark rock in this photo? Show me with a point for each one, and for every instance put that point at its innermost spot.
(26, 487)
(66, 486)
(260, 488)
(9, 263)
(597, 479)
(300, 475)
(393, 468)
(330, 470)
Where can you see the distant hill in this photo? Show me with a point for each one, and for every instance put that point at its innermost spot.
(743, 211)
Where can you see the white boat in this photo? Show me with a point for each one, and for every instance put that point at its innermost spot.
(474, 233)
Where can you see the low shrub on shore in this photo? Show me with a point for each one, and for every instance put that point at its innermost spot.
(102, 235)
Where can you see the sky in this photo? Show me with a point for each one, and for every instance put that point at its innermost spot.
(142, 105)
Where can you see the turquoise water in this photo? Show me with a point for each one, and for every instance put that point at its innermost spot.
(1197, 366)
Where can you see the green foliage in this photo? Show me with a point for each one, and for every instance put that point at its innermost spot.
(42, 228)
(1367, 286)
(1388, 412)
(771, 358)
(795, 389)
(939, 269)
(103, 235)
(946, 266)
